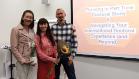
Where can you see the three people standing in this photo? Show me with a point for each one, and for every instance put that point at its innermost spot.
(46, 40)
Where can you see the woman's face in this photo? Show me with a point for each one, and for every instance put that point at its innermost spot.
(27, 19)
(43, 27)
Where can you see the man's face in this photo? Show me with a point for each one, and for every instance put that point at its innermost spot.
(60, 15)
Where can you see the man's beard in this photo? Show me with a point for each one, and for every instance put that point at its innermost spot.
(60, 19)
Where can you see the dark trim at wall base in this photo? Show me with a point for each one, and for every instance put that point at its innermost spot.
(108, 57)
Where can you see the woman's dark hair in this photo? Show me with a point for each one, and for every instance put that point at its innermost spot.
(48, 31)
(27, 11)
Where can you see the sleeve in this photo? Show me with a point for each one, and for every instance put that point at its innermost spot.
(14, 45)
(51, 27)
(55, 54)
(74, 42)
(40, 53)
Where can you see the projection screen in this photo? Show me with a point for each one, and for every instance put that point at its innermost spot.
(107, 27)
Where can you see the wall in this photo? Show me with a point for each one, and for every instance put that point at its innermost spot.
(11, 11)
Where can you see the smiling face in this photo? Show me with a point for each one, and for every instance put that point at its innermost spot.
(27, 19)
(60, 15)
(43, 27)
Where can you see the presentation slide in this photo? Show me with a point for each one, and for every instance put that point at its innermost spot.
(107, 27)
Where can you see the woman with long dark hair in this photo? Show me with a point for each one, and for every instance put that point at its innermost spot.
(22, 39)
(46, 50)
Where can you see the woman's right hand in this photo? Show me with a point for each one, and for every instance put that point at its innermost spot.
(56, 60)
(24, 61)
(29, 62)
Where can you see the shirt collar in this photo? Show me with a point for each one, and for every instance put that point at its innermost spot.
(63, 23)
(20, 27)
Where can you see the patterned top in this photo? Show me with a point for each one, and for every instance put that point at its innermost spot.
(20, 42)
(66, 33)
(46, 52)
